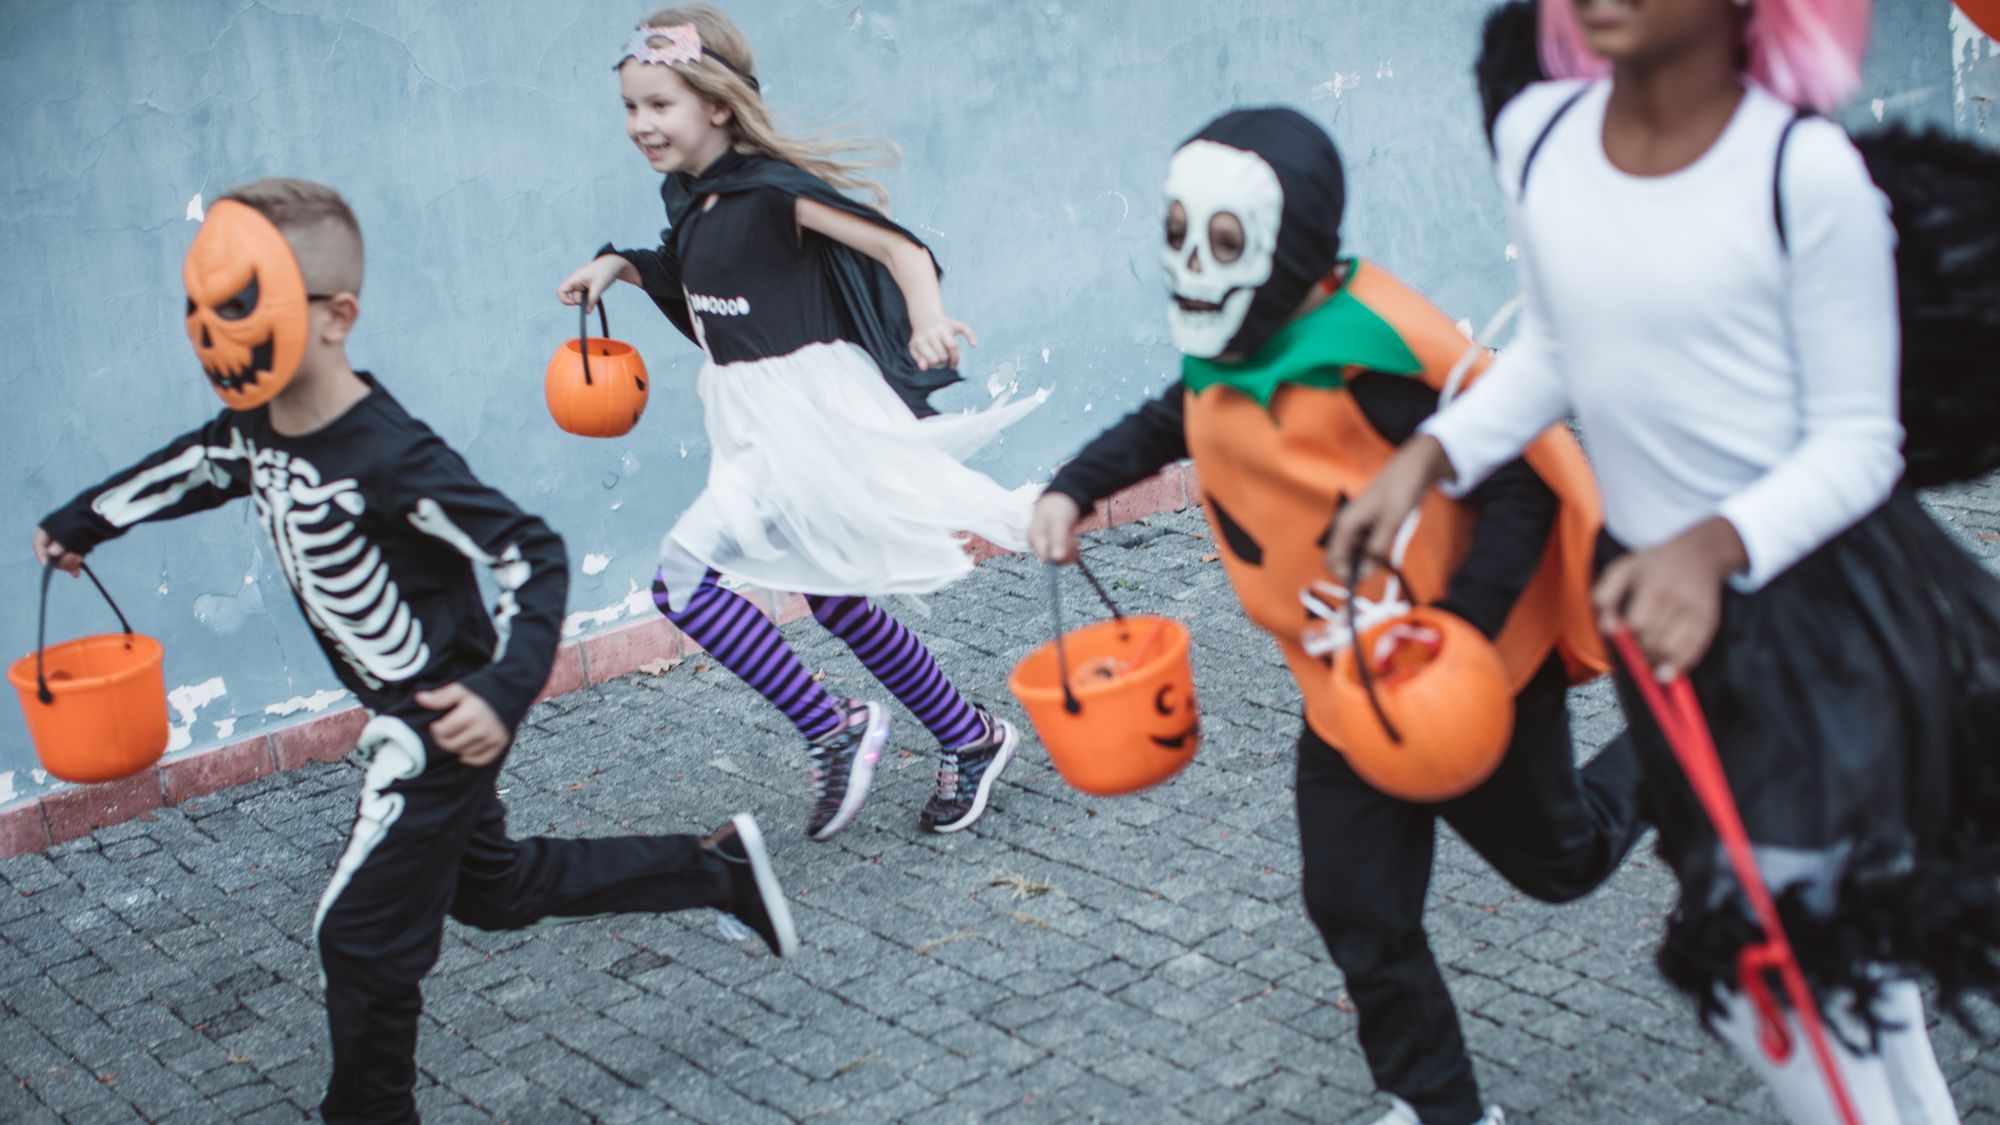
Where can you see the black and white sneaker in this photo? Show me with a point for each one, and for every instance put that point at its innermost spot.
(1401, 1113)
(755, 901)
(843, 763)
(966, 776)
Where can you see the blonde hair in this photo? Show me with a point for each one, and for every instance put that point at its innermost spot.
(317, 225)
(837, 160)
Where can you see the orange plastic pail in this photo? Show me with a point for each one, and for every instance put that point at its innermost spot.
(595, 386)
(1113, 702)
(96, 706)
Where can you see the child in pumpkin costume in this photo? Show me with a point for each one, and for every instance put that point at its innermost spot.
(377, 524)
(1303, 371)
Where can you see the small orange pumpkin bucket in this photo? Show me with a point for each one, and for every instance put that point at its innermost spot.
(1421, 699)
(1114, 702)
(96, 706)
(604, 402)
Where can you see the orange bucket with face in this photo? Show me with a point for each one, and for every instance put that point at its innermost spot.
(1113, 702)
(595, 386)
(1423, 706)
(96, 706)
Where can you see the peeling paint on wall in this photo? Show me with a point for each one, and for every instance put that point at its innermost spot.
(185, 701)
(316, 702)
(595, 564)
(226, 613)
(636, 603)
(1975, 77)
(1334, 87)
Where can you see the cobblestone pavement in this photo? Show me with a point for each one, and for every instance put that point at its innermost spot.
(1070, 959)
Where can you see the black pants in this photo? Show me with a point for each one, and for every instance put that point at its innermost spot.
(431, 840)
(1551, 830)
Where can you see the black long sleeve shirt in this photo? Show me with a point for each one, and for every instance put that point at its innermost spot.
(376, 523)
(1516, 510)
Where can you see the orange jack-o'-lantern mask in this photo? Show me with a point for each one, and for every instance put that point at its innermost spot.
(246, 305)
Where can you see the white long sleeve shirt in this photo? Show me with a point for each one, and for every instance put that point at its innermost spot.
(1712, 372)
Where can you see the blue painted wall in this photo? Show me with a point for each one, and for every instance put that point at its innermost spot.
(482, 147)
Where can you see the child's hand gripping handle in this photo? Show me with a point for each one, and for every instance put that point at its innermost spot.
(42, 621)
(1680, 720)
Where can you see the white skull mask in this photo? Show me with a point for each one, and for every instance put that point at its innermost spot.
(1224, 206)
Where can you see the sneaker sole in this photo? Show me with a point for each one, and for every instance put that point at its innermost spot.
(775, 906)
(858, 778)
(1009, 739)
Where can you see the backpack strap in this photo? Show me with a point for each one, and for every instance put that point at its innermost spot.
(1541, 138)
(1778, 180)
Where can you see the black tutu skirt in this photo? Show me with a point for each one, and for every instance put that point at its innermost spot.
(1855, 704)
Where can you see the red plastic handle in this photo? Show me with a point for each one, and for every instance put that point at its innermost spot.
(1773, 1033)
(1679, 716)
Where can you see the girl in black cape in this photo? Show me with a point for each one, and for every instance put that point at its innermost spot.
(829, 474)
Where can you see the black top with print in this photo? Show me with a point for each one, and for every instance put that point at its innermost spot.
(376, 523)
(755, 285)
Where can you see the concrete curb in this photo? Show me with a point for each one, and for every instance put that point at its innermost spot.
(37, 823)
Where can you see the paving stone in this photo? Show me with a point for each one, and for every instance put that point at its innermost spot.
(1167, 974)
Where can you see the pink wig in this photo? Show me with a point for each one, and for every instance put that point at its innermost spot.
(1807, 52)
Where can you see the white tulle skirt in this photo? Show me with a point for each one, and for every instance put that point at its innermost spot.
(821, 481)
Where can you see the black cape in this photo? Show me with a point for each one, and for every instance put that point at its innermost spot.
(871, 306)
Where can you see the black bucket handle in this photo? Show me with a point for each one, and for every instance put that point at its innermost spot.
(1361, 668)
(1070, 703)
(583, 332)
(42, 626)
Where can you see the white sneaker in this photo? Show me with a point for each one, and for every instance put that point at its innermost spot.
(1400, 1113)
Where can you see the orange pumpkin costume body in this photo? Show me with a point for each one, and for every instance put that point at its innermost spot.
(1273, 472)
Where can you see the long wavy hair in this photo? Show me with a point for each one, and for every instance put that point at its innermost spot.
(836, 159)
(1807, 52)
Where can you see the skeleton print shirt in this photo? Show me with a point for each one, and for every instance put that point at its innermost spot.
(376, 523)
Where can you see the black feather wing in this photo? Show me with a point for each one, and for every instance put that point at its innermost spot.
(1944, 193)
(1509, 60)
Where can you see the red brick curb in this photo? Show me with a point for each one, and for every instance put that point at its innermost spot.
(36, 823)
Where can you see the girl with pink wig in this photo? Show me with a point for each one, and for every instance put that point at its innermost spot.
(1710, 283)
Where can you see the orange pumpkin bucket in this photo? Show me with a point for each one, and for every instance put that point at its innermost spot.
(96, 706)
(603, 399)
(1422, 705)
(1114, 702)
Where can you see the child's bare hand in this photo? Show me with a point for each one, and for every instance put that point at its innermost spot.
(468, 728)
(1367, 525)
(588, 282)
(1052, 528)
(1670, 596)
(935, 344)
(48, 552)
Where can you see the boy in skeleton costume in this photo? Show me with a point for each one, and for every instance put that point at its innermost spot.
(1302, 372)
(376, 524)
